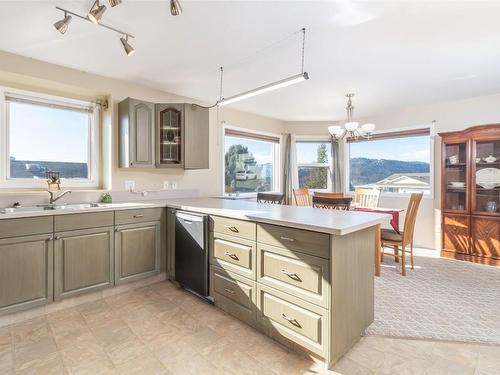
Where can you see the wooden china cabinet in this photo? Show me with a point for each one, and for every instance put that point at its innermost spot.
(470, 194)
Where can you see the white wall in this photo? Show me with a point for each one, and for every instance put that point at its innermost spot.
(449, 116)
(21, 72)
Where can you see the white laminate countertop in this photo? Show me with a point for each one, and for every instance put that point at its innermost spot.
(315, 219)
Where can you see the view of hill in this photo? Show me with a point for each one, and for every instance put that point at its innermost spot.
(37, 169)
(365, 171)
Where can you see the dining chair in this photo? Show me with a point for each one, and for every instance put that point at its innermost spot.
(389, 237)
(301, 197)
(367, 198)
(328, 195)
(342, 204)
(273, 198)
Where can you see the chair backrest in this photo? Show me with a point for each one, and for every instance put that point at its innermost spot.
(342, 204)
(328, 195)
(367, 198)
(273, 198)
(411, 216)
(301, 197)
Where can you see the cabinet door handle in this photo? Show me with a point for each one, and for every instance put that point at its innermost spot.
(57, 238)
(287, 239)
(138, 216)
(232, 255)
(230, 291)
(49, 239)
(291, 321)
(232, 228)
(291, 275)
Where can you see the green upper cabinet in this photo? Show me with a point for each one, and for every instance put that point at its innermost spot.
(163, 135)
(83, 261)
(25, 272)
(137, 133)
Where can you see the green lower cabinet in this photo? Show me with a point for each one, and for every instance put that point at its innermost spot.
(83, 261)
(137, 251)
(25, 272)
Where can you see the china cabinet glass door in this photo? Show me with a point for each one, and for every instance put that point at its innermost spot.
(486, 177)
(170, 136)
(455, 184)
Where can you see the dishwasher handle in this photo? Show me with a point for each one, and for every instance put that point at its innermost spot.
(189, 218)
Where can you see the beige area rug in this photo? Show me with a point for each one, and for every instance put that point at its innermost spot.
(441, 299)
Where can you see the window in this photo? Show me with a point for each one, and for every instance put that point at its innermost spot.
(314, 164)
(398, 162)
(251, 162)
(42, 134)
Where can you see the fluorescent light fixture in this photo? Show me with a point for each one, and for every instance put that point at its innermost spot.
(95, 14)
(266, 88)
(62, 25)
(129, 50)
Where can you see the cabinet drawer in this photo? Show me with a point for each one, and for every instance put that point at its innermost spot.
(313, 243)
(233, 227)
(234, 294)
(301, 275)
(26, 226)
(83, 221)
(234, 254)
(298, 321)
(137, 215)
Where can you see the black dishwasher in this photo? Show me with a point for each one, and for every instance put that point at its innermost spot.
(191, 252)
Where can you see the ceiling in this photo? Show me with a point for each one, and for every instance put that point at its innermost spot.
(392, 54)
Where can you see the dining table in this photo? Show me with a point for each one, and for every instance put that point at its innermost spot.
(394, 221)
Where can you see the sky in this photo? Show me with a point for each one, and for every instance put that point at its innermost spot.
(261, 151)
(308, 152)
(46, 134)
(404, 149)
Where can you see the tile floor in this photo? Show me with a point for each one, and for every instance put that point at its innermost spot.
(160, 329)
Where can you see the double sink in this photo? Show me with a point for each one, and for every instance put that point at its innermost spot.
(65, 207)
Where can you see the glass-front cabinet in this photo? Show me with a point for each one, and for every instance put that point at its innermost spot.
(170, 128)
(456, 176)
(470, 194)
(486, 177)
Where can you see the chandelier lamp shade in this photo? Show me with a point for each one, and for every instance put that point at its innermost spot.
(351, 129)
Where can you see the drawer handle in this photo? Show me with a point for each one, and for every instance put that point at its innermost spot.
(287, 239)
(232, 255)
(230, 291)
(291, 321)
(138, 216)
(232, 228)
(291, 275)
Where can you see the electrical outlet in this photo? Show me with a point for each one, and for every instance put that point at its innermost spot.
(174, 184)
(166, 185)
(129, 185)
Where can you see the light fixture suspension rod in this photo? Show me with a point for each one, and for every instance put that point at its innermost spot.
(99, 24)
(303, 46)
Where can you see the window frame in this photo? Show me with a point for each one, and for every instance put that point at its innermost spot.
(397, 134)
(276, 159)
(93, 182)
(315, 139)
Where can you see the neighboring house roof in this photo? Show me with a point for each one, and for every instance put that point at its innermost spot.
(404, 180)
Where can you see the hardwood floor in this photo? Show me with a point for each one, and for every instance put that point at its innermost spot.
(160, 329)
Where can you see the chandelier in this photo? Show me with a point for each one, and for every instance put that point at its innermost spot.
(351, 128)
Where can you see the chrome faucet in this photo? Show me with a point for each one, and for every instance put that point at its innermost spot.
(53, 198)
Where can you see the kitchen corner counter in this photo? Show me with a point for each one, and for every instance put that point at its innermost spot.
(319, 220)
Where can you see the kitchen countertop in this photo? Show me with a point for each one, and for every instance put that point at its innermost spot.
(319, 220)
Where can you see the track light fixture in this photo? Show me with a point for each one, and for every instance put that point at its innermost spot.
(129, 50)
(96, 12)
(62, 25)
(114, 3)
(175, 7)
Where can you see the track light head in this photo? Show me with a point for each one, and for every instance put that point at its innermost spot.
(114, 3)
(129, 50)
(95, 14)
(62, 25)
(175, 7)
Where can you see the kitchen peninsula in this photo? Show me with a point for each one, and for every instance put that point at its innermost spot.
(303, 276)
